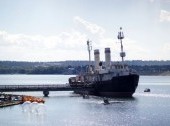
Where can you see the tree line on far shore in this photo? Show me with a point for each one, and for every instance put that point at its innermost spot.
(13, 67)
(33, 70)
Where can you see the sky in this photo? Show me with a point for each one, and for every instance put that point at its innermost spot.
(57, 30)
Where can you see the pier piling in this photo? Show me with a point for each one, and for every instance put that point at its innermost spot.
(46, 93)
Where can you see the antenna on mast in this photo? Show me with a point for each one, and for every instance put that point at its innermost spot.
(89, 48)
(120, 37)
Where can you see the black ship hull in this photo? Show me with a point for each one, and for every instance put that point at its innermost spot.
(117, 86)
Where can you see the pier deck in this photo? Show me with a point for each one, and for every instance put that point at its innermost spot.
(43, 87)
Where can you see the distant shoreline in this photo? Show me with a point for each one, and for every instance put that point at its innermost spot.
(148, 68)
(162, 74)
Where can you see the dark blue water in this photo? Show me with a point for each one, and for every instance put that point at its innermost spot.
(68, 109)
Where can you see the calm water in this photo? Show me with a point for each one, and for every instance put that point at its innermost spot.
(68, 109)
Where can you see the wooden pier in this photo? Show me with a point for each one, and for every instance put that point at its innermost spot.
(44, 88)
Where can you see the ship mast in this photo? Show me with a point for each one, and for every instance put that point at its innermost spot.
(120, 37)
(89, 48)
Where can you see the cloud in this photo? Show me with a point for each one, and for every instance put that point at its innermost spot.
(166, 1)
(67, 45)
(151, 1)
(93, 28)
(164, 16)
(62, 41)
(63, 46)
(166, 48)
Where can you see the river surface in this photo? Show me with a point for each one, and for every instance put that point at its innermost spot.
(69, 109)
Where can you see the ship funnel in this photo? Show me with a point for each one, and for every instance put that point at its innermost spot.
(107, 58)
(97, 59)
